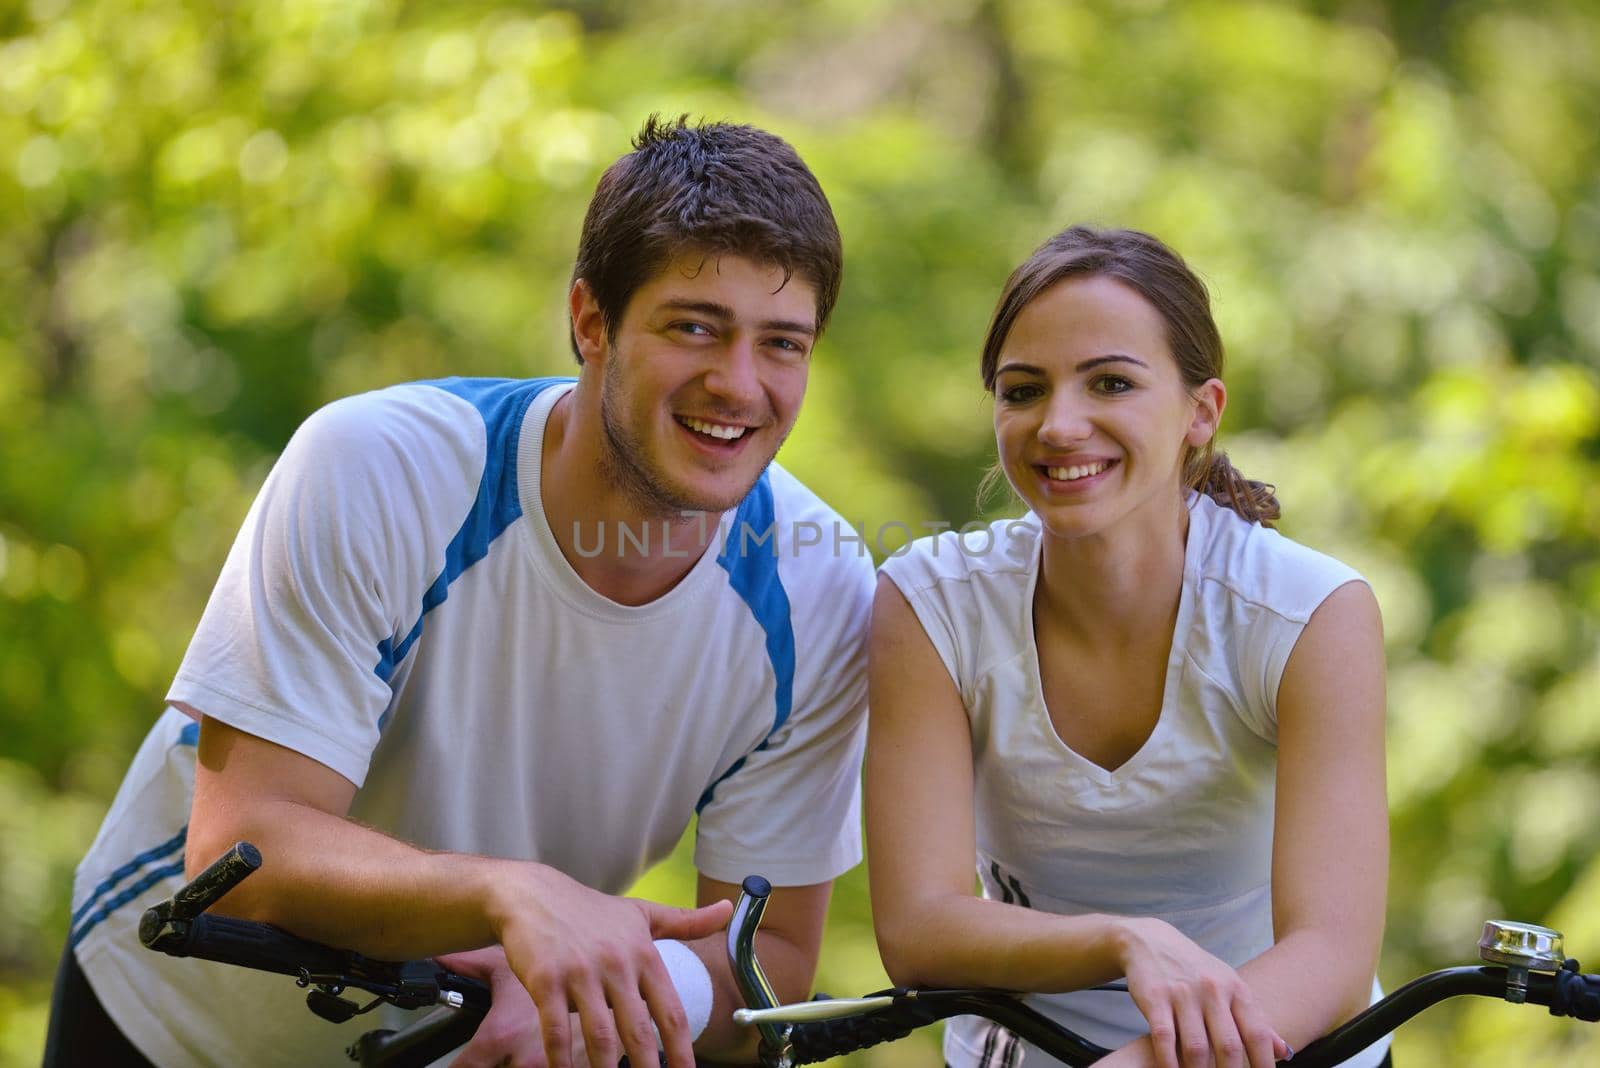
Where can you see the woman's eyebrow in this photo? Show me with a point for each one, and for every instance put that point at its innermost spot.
(1087, 365)
(1111, 357)
(1019, 368)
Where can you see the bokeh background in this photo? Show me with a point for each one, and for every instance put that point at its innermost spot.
(215, 217)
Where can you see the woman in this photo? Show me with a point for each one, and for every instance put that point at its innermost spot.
(1155, 724)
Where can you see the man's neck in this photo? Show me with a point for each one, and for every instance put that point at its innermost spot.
(620, 550)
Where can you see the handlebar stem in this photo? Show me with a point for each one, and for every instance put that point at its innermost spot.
(776, 1050)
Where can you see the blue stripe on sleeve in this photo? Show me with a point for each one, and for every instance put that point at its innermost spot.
(751, 560)
(502, 402)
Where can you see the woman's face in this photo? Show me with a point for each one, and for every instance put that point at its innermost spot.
(1091, 416)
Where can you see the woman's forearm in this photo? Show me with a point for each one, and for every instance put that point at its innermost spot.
(1310, 982)
(953, 940)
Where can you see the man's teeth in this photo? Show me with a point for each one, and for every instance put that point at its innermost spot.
(726, 433)
(1075, 472)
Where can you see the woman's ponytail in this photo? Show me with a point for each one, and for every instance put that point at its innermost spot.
(1211, 473)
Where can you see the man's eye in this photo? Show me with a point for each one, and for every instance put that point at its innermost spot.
(788, 344)
(697, 329)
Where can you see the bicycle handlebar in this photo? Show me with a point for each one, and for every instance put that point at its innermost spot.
(181, 927)
(892, 1014)
(1528, 966)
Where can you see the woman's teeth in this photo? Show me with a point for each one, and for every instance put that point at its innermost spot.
(1075, 472)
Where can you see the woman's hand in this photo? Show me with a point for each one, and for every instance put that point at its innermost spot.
(1201, 1013)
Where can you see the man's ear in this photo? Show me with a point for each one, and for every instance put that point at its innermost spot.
(1210, 398)
(588, 325)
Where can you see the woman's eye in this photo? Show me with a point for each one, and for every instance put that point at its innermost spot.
(1113, 384)
(1019, 394)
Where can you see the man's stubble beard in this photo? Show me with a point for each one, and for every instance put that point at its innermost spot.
(623, 467)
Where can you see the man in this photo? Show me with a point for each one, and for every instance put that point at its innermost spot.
(483, 647)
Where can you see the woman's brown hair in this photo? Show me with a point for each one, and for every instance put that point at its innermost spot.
(1158, 274)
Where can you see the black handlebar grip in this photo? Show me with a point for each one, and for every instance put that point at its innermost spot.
(260, 946)
(207, 888)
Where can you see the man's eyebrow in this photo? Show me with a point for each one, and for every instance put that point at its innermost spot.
(703, 307)
(722, 312)
(789, 326)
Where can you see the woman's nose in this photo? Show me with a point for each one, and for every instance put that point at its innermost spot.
(1066, 420)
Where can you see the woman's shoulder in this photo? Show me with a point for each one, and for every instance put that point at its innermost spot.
(1261, 566)
(968, 591)
(978, 552)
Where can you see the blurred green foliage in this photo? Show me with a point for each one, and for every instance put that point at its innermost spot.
(215, 217)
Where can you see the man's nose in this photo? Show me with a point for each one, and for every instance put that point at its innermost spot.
(734, 376)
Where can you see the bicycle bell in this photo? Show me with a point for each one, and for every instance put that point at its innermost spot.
(1521, 945)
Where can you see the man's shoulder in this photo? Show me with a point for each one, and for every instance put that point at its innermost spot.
(813, 540)
(493, 398)
(431, 403)
(786, 551)
(793, 498)
(438, 417)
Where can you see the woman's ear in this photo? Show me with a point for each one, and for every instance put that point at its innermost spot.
(1210, 398)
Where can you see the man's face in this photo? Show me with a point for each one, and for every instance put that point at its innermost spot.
(703, 381)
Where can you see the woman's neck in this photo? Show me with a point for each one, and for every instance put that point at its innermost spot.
(1118, 586)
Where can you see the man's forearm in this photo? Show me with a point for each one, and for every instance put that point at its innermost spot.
(327, 878)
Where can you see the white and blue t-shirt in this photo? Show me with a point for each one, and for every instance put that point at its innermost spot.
(396, 608)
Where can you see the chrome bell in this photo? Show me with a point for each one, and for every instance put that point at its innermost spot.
(1521, 945)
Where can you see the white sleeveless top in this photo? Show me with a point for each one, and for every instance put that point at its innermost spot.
(1183, 829)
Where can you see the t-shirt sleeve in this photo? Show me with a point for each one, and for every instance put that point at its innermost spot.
(791, 812)
(1292, 582)
(919, 575)
(327, 576)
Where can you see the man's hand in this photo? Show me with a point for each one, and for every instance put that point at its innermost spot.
(332, 880)
(576, 950)
(509, 1035)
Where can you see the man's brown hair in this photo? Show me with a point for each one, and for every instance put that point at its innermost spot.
(714, 188)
